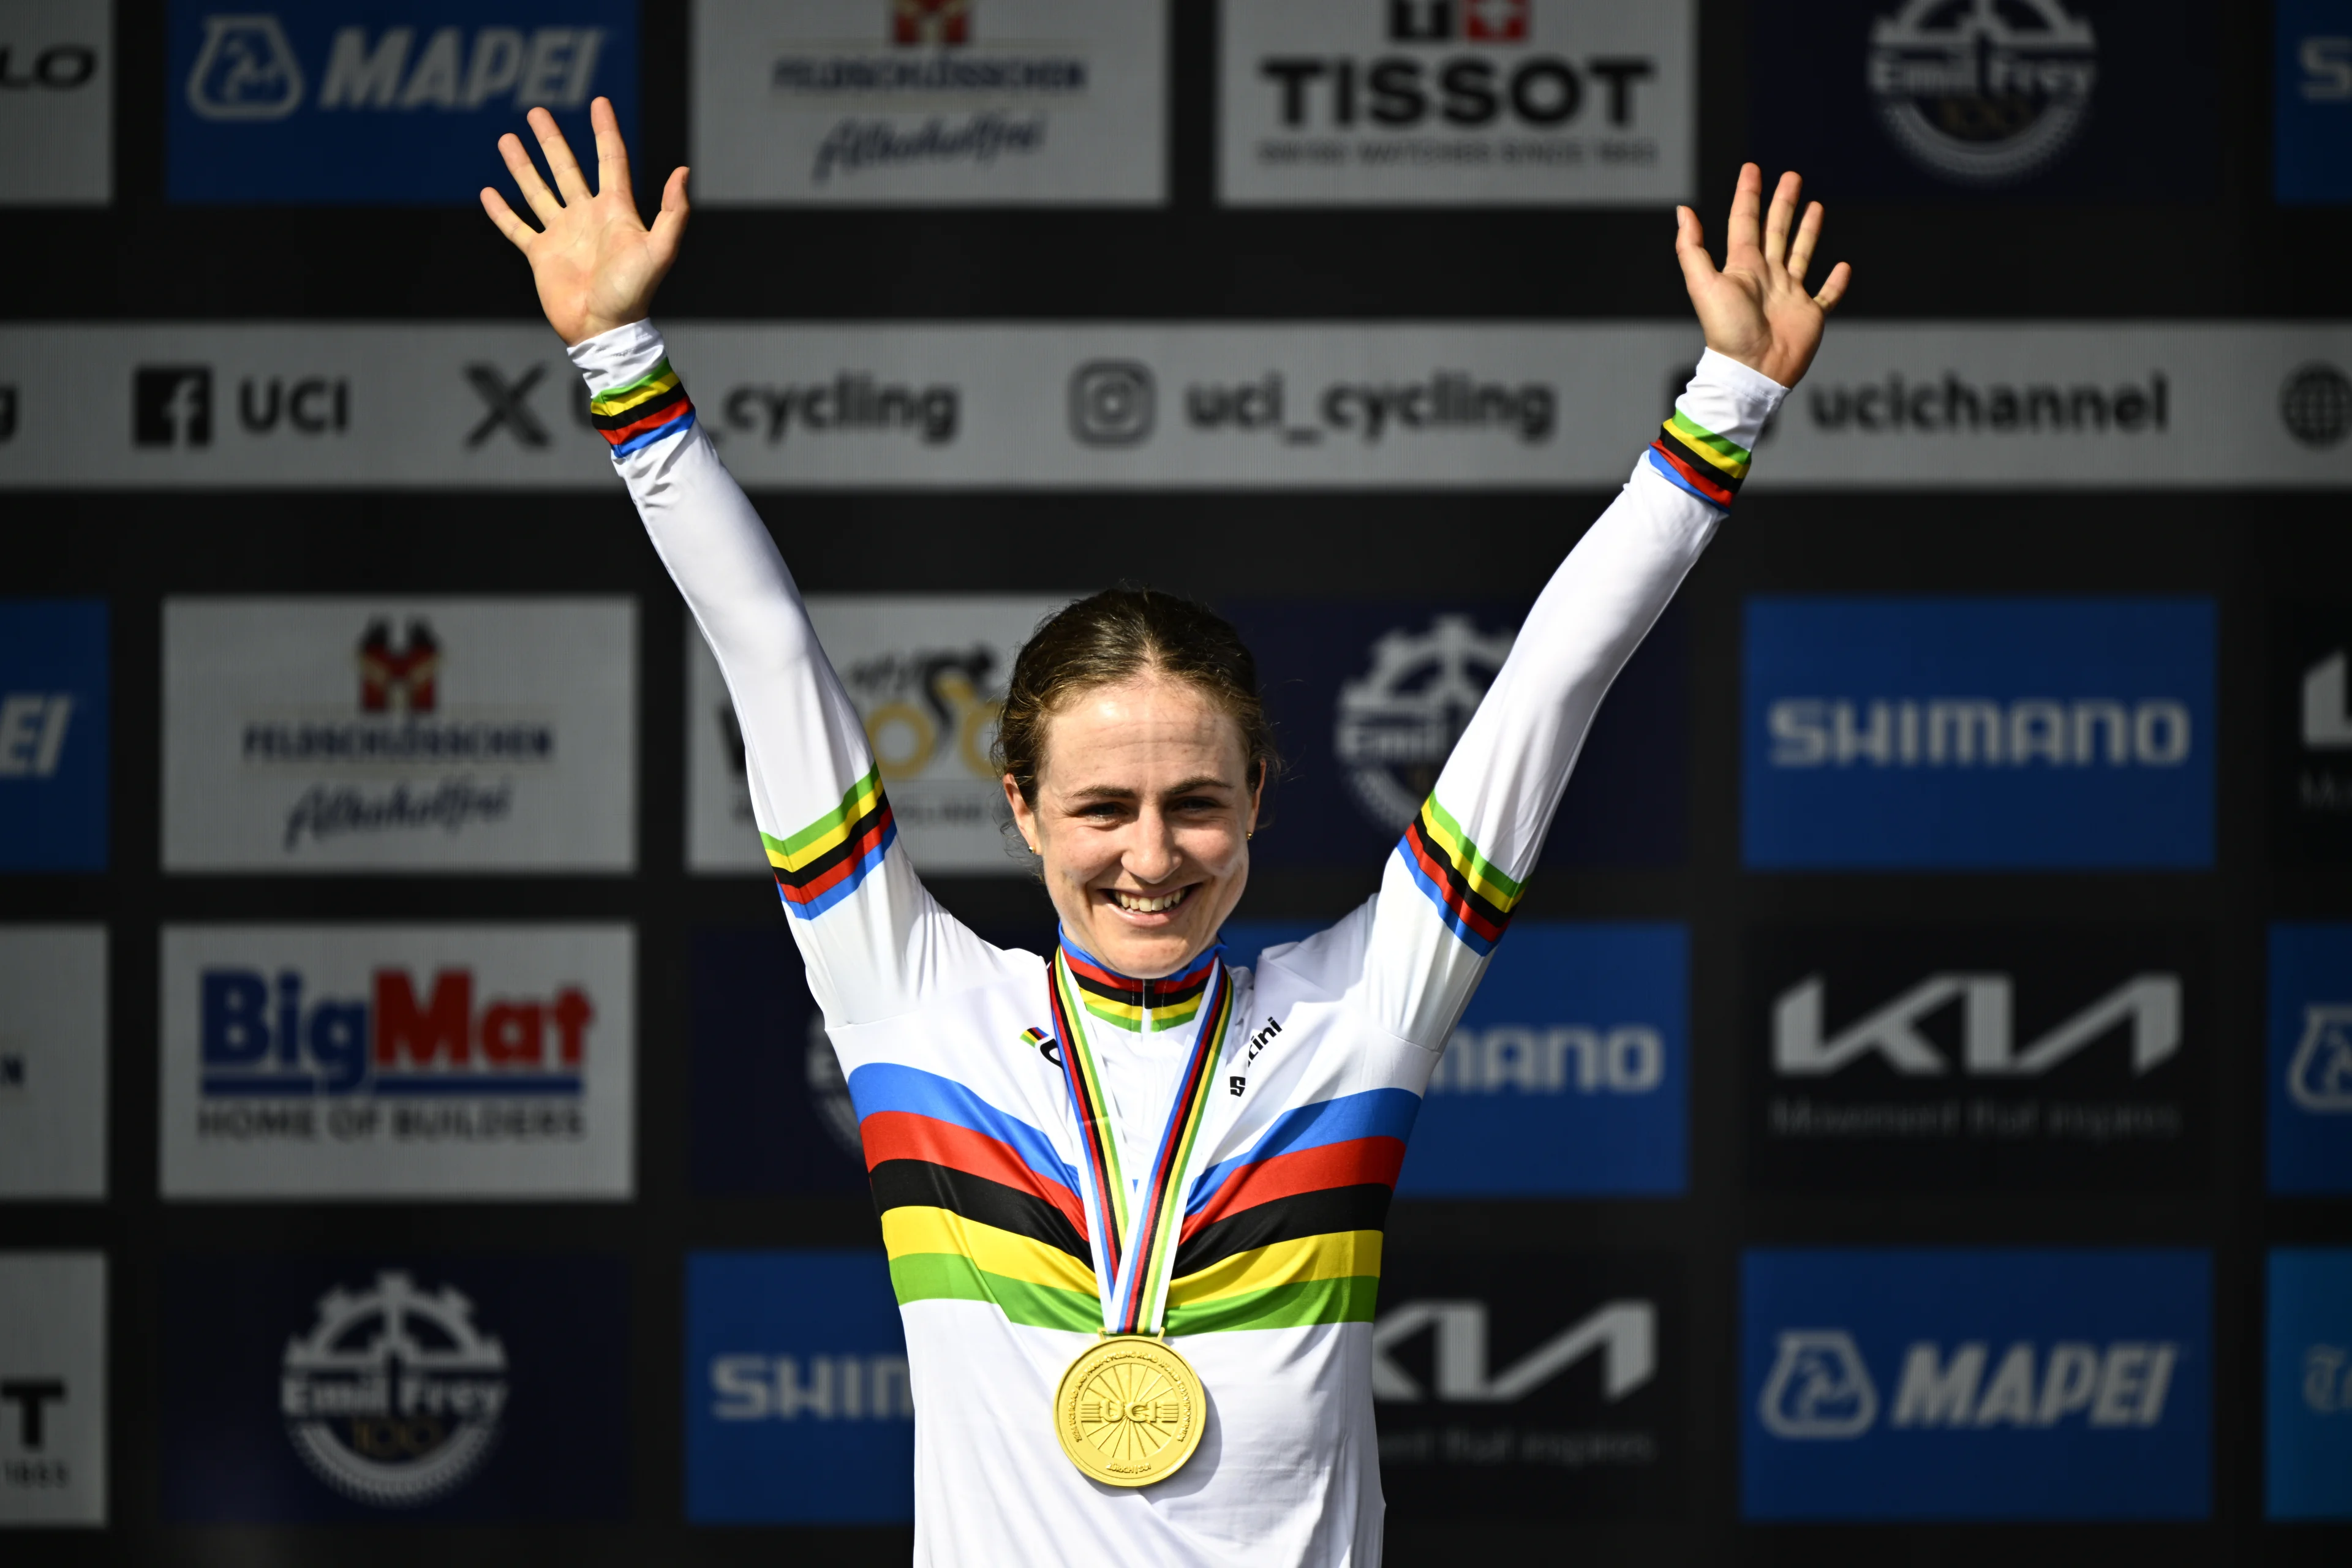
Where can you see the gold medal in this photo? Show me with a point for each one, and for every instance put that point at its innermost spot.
(1129, 1411)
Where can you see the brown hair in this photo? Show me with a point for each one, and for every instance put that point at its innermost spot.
(1107, 637)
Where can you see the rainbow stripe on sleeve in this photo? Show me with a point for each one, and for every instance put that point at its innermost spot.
(1696, 460)
(824, 863)
(647, 410)
(1472, 895)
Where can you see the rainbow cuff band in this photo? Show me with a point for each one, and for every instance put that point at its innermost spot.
(1696, 460)
(1472, 895)
(649, 409)
(824, 863)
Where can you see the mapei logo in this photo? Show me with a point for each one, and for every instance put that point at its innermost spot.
(394, 1396)
(939, 22)
(400, 675)
(1821, 1388)
(2319, 1077)
(246, 70)
(33, 727)
(1397, 723)
(262, 1038)
(2147, 1006)
(1985, 93)
(1622, 1334)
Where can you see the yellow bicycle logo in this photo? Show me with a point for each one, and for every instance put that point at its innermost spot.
(943, 707)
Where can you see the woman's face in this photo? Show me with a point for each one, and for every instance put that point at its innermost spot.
(1144, 818)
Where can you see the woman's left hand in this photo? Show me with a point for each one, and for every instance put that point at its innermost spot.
(1755, 308)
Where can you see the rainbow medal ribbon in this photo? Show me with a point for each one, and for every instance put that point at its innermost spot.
(1128, 1411)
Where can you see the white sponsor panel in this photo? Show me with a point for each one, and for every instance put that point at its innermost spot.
(928, 673)
(52, 1388)
(389, 734)
(56, 103)
(1327, 406)
(398, 1061)
(942, 102)
(1432, 102)
(53, 1048)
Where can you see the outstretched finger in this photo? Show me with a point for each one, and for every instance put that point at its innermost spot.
(526, 178)
(1776, 222)
(560, 160)
(1801, 252)
(1690, 249)
(509, 224)
(612, 153)
(670, 223)
(1833, 288)
(1747, 208)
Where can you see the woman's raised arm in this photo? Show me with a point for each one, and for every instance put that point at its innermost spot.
(873, 939)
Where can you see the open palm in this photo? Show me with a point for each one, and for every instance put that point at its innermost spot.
(1755, 308)
(595, 262)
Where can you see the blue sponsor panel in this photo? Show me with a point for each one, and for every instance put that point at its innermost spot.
(2311, 102)
(1569, 1074)
(351, 102)
(53, 734)
(797, 1408)
(1977, 734)
(1369, 698)
(2310, 1058)
(1976, 1384)
(323, 1390)
(2025, 102)
(2307, 1394)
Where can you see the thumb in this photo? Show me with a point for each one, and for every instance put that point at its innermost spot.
(1690, 249)
(670, 223)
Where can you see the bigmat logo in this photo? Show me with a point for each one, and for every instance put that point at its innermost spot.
(2310, 1059)
(798, 1409)
(1524, 102)
(53, 1051)
(1569, 1074)
(54, 767)
(1885, 732)
(1537, 1385)
(1369, 699)
(1976, 1384)
(2307, 1394)
(459, 735)
(1988, 100)
(434, 1389)
(2311, 732)
(2311, 102)
(2006, 1055)
(342, 104)
(448, 1061)
(52, 1388)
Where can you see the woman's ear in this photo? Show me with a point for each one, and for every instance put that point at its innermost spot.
(1257, 799)
(1025, 818)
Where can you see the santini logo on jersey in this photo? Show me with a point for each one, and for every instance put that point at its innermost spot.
(1821, 1389)
(1978, 732)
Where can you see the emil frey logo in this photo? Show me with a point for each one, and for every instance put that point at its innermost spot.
(393, 1397)
(1397, 723)
(1985, 93)
(1821, 1388)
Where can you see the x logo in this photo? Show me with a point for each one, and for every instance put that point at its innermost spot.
(507, 406)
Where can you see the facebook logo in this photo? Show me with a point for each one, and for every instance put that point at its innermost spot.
(54, 767)
(1958, 734)
(1569, 1074)
(2311, 99)
(1959, 1383)
(171, 406)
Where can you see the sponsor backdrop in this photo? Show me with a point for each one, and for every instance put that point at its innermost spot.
(1916, 1090)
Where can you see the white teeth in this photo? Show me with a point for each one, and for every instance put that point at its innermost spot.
(1143, 906)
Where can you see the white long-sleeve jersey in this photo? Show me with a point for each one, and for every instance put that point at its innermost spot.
(969, 1135)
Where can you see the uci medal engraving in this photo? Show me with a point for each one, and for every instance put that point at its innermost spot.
(1129, 1411)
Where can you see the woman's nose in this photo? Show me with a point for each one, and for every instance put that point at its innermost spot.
(1152, 853)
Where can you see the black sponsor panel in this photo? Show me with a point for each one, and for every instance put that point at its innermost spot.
(1980, 1056)
(1529, 1384)
(2027, 101)
(348, 1389)
(2311, 731)
(1368, 700)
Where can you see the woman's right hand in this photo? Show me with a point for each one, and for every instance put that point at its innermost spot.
(595, 263)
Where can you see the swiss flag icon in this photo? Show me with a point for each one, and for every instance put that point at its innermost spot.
(1494, 21)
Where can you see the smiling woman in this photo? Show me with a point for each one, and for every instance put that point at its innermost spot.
(1133, 1197)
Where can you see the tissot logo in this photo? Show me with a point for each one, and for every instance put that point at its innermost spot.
(52, 1389)
(1980, 1056)
(1532, 1384)
(1472, 21)
(1910, 1383)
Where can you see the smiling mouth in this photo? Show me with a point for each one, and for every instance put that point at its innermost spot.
(1138, 904)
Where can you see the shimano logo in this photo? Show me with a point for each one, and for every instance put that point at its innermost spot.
(811, 1388)
(1821, 1389)
(1565, 1058)
(1978, 732)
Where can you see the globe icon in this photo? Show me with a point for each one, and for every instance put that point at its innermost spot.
(2316, 404)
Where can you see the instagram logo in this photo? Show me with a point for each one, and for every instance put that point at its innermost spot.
(1111, 402)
